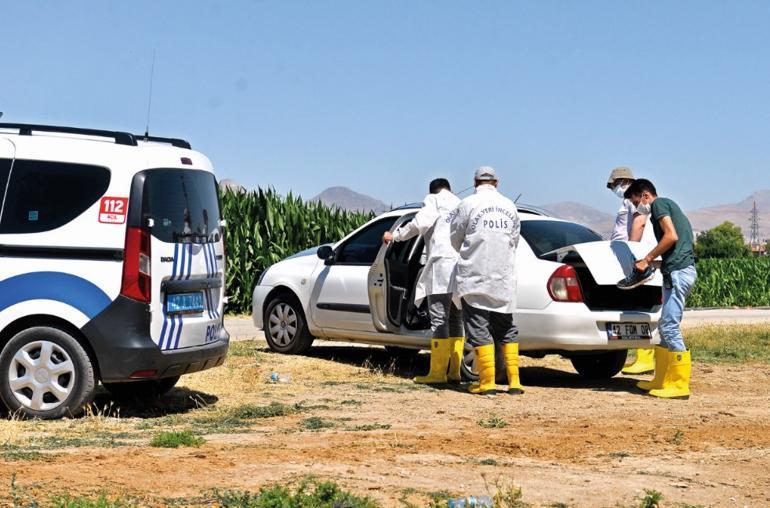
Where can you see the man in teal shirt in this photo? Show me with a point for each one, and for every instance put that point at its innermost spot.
(676, 247)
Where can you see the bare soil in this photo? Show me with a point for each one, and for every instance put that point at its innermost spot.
(566, 440)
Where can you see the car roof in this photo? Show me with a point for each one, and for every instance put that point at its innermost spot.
(523, 209)
(75, 144)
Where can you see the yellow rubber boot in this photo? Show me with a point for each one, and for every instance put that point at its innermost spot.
(485, 361)
(676, 385)
(661, 362)
(511, 355)
(456, 353)
(439, 359)
(645, 362)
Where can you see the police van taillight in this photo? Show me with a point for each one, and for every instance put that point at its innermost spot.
(137, 265)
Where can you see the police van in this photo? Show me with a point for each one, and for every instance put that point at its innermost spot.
(112, 266)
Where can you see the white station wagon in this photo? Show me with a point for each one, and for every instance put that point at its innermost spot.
(361, 290)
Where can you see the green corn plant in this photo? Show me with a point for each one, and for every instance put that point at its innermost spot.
(264, 227)
(740, 282)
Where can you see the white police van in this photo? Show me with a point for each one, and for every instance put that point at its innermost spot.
(111, 266)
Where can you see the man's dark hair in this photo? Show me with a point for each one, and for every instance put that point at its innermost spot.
(439, 184)
(639, 187)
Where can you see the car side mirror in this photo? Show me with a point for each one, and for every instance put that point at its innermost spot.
(326, 253)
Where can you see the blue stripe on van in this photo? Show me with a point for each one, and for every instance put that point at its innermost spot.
(178, 333)
(176, 256)
(189, 261)
(182, 263)
(75, 291)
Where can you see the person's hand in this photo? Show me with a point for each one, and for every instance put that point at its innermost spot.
(387, 237)
(641, 265)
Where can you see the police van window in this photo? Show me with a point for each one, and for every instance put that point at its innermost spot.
(44, 195)
(183, 205)
(546, 235)
(5, 168)
(362, 248)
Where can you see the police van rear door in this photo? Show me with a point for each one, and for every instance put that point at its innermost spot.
(180, 207)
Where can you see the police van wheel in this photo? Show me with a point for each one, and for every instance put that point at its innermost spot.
(149, 389)
(45, 373)
(285, 326)
(603, 365)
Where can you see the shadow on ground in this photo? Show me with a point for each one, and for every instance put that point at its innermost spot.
(408, 363)
(179, 400)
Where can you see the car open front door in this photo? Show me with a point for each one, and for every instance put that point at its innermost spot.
(389, 281)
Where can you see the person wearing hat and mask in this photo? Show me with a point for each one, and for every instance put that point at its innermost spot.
(485, 229)
(448, 342)
(630, 225)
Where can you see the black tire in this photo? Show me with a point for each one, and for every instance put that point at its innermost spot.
(142, 390)
(602, 365)
(280, 339)
(61, 364)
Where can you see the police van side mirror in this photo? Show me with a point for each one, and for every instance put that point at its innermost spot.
(326, 253)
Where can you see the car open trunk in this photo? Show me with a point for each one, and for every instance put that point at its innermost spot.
(600, 265)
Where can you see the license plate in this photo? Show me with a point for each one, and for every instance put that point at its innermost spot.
(184, 303)
(628, 331)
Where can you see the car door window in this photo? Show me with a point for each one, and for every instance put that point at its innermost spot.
(362, 248)
(5, 169)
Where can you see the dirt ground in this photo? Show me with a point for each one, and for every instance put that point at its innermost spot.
(361, 422)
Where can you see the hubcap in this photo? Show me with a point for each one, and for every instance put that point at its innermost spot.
(283, 324)
(41, 375)
(469, 359)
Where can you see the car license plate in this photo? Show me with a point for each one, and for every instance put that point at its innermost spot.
(184, 303)
(628, 331)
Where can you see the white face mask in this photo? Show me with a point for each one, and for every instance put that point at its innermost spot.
(644, 208)
(620, 190)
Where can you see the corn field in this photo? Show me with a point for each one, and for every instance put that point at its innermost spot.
(264, 227)
(743, 282)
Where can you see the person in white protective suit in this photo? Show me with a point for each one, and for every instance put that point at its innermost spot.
(485, 231)
(432, 222)
(632, 226)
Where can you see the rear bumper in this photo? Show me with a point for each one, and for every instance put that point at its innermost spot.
(121, 342)
(574, 327)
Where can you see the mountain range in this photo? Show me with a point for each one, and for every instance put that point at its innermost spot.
(702, 219)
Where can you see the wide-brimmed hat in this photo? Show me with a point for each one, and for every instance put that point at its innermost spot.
(619, 173)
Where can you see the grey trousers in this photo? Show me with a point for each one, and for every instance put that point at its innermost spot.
(483, 327)
(445, 319)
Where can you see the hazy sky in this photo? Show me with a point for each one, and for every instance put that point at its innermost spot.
(384, 96)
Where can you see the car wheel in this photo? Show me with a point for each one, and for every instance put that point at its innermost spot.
(45, 373)
(285, 326)
(602, 365)
(148, 389)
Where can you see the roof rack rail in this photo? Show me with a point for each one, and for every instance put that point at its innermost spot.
(179, 143)
(121, 138)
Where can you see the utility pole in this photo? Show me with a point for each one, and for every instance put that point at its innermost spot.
(754, 228)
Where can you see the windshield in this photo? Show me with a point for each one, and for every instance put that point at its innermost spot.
(183, 205)
(547, 235)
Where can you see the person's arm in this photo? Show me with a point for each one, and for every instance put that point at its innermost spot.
(458, 227)
(637, 227)
(666, 242)
(422, 222)
(516, 233)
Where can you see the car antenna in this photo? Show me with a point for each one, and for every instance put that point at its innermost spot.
(149, 99)
(517, 198)
(465, 190)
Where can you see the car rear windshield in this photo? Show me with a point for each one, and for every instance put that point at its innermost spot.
(547, 235)
(183, 205)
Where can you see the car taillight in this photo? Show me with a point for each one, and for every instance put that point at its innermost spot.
(563, 286)
(137, 282)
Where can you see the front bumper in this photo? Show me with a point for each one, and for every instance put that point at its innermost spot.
(120, 339)
(258, 305)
